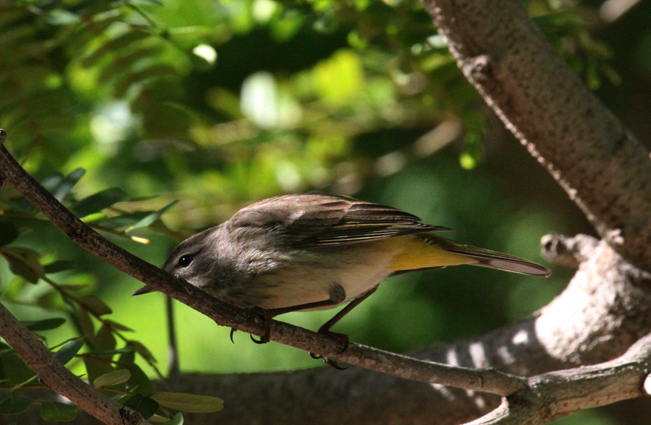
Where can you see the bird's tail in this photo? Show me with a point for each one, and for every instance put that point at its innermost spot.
(428, 251)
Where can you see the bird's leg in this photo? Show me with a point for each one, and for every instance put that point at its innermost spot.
(325, 329)
(337, 295)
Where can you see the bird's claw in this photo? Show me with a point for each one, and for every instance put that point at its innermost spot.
(330, 362)
(263, 339)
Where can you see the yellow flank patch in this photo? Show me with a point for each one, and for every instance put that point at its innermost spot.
(419, 254)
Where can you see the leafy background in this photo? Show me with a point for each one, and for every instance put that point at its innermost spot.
(219, 104)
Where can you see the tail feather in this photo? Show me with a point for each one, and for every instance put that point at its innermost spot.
(483, 257)
(500, 261)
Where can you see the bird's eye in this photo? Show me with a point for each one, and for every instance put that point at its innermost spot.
(185, 260)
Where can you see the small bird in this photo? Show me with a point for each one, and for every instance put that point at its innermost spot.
(314, 251)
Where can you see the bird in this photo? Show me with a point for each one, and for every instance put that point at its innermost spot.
(312, 251)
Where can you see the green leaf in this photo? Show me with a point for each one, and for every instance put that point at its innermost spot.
(177, 420)
(118, 326)
(99, 201)
(15, 405)
(59, 266)
(143, 405)
(150, 218)
(8, 233)
(118, 42)
(24, 262)
(85, 324)
(61, 17)
(190, 403)
(123, 350)
(143, 351)
(95, 305)
(112, 378)
(139, 382)
(127, 219)
(58, 412)
(96, 367)
(127, 357)
(63, 187)
(44, 325)
(15, 370)
(69, 350)
(104, 340)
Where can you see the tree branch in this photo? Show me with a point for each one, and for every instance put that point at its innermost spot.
(590, 153)
(58, 378)
(555, 394)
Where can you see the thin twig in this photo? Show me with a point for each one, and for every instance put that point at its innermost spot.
(173, 351)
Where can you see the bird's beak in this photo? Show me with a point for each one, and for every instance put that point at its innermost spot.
(144, 290)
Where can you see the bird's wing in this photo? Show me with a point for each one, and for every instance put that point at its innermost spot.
(313, 220)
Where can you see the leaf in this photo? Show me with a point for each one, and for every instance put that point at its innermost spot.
(143, 405)
(59, 266)
(85, 325)
(58, 412)
(44, 325)
(61, 17)
(104, 340)
(63, 186)
(112, 378)
(139, 382)
(127, 357)
(118, 42)
(177, 420)
(123, 350)
(69, 350)
(8, 233)
(117, 325)
(15, 405)
(190, 403)
(99, 201)
(143, 351)
(29, 380)
(95, 305)
(15, 370)
(24, 262)
(125, 219)
(150, 218)
(96, 367)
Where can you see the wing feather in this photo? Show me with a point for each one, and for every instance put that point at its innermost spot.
(314, 220)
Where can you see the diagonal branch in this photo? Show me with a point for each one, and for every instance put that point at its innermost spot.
(55, 375)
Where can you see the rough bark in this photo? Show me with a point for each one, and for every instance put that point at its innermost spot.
(599, 163)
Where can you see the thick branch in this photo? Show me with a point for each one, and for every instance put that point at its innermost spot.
(603, 168)
(553, 394)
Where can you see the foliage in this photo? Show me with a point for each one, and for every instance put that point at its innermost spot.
(221, 103)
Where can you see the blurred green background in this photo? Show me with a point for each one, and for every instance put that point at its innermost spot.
(220, 104)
